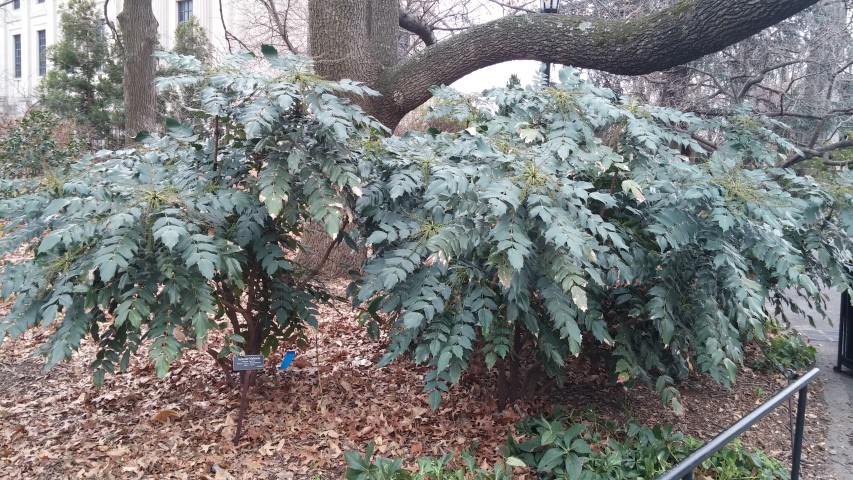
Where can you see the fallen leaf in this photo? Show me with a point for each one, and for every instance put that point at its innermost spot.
(300, 362)
(118, 452)
(165, 415)
(178, 333)
(254, 433)
(221, 473)
(336, 449)
(347, 386)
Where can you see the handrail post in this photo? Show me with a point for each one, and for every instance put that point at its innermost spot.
(799, 432)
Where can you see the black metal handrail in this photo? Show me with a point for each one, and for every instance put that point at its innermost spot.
(684, 470)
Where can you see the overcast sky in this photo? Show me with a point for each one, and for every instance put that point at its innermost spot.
(497, 76)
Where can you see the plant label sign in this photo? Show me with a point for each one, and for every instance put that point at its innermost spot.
(242, 363)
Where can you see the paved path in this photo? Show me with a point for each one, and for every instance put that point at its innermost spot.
(838, 387)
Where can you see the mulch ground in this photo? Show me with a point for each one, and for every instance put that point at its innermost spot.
(58, 425)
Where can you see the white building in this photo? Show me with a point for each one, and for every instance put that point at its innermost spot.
(28, 27)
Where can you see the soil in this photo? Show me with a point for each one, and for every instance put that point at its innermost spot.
(332, 399)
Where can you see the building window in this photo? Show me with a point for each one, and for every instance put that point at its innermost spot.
(42, 39)
(39, 1)
(16, 4)
(185, 10)
(16, 43)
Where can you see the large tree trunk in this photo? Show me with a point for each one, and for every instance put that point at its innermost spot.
(357, 39)
(139, 35)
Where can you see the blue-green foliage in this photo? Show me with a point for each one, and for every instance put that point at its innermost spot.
(592, 224)
(189, 229)
(590, 451)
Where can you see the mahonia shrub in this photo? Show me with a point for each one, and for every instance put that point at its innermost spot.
(191, 231)
(567, 221)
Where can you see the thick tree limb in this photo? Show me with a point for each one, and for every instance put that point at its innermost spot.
(809, 153)
(422, 30)
(672, 37)
(139, 34)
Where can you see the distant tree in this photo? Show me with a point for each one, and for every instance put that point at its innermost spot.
(190, 39)
(84, 82)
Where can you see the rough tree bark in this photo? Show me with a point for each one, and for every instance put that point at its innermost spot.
(357, 38)
(354, 39)
(139, 35)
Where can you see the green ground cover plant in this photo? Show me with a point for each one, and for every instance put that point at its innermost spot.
(579, 447)
(787, 350)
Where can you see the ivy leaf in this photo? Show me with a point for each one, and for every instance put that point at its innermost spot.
(516, 258)
(161, 366)
(530, 135)
(169, 235)
(667, 330)
(444, 360)
(107, 270)
(412, 320)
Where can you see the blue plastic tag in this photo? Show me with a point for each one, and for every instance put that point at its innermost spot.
(288, 357)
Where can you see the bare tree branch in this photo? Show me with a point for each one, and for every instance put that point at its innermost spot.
(279, 23)
(423, 31)
(809, 153)
(758, 77)
(512, 7)
(112, 26)
(228, 35)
